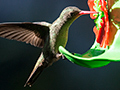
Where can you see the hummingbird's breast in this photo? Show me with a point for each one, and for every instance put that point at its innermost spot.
(58, 35)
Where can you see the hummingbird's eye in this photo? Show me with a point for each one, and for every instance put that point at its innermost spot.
(74, 13)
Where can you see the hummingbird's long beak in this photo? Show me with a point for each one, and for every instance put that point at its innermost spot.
(87, 12)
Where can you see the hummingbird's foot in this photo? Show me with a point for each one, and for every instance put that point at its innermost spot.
(61, 55)
(58, 55)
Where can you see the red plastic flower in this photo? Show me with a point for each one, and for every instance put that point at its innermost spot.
(101, 29)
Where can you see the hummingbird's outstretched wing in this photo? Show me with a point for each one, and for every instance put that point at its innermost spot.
(30, 32)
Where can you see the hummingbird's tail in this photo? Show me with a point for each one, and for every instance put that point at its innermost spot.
(39, 67)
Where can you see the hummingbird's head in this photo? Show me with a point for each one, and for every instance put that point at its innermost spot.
(71, 13)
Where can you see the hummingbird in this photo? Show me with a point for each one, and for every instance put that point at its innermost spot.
(43, 35)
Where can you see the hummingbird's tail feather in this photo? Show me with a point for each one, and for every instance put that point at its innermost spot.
(34, 75)
(39, 67)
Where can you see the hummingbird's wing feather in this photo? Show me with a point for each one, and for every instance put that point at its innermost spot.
(34, 33)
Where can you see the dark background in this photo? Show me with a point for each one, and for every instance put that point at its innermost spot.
(17, 59)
